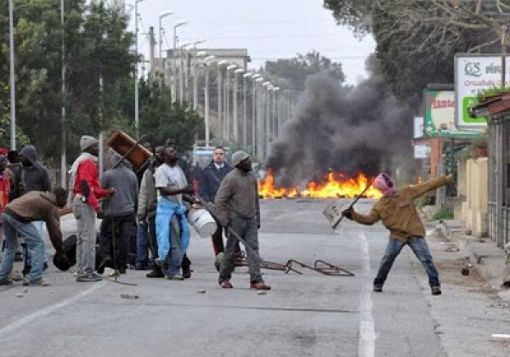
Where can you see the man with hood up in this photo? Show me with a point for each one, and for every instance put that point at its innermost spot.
(118, 228)
(34, 176)
(398, 213)
(85, 195)
(237, 207)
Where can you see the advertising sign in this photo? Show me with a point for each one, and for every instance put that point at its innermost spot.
(421, 151)
(418, 128)
(473, 74)
(440, 115)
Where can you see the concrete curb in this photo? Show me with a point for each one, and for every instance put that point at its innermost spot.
(480, 253)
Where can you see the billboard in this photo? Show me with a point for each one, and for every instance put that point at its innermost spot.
(473, 74)
(440, 115)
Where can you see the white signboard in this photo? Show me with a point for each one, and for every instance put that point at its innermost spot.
(473, 74)
(421, 151)
(418, 127)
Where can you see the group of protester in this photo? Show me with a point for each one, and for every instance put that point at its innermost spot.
(144, 214)
(144, 217)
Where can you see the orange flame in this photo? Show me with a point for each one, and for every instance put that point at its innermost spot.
(334, 185)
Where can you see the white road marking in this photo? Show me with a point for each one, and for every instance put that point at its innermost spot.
(48, 310)
(366, 343)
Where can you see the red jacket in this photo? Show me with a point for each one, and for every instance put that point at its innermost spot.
(5, 189)
(88, 171)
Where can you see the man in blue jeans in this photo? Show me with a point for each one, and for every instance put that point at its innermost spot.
(171, 184)
(398, 213)
(17, 219)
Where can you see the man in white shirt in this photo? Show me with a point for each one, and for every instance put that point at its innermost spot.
(171, 184)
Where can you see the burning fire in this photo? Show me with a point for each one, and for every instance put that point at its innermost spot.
(334, 185)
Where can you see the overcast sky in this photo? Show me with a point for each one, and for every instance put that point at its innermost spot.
(269, 29)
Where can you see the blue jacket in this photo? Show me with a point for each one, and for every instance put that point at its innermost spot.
(210, 180)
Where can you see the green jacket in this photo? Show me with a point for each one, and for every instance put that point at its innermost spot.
(398, 212)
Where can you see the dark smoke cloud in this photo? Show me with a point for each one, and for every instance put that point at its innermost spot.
(364, 130)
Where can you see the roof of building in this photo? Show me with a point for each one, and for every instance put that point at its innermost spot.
(492, 105)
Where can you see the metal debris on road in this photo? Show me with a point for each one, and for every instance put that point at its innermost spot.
(261, 292)
(319, 266)
(20, 295)
(129, 297)
(201, 291)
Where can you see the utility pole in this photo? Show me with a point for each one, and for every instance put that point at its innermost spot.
(206, 104)
(235, 116)
(152, 44)
(220, 101)
(503, 56)
(63, 158)
(136, 66)
(12, 76)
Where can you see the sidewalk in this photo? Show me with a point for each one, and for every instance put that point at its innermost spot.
(482, 253)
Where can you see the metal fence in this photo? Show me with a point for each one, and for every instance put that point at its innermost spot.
(499, 188)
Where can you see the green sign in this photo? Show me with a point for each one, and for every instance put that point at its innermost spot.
(439, 119)
(468, 102)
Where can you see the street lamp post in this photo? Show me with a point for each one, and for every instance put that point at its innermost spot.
(12, 76)
(258, 118)
(274, 122)
(227, 100)
(235, 106)
(265, 124)
(183, 72)
(174, 77)
(63, 158)
(193, 95)
(161, 17)
(254, 97)
(136, 67)
(198, 55)
(207, 60)
(246, 76)
(221, 115)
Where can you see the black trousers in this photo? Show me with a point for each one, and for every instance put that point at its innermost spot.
(118, 232)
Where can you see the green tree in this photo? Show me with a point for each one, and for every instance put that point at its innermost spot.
(97, 47)
(417, 40)
(161, 120)
(292, 73)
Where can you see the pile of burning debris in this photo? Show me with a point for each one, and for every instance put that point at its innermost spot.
(332, 185)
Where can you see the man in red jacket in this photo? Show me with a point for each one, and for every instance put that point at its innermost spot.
(86, 192)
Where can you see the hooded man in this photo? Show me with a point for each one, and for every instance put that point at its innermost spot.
(237, 204)
(399, 215)
(17, 219)
(34, 176)
(85, 195)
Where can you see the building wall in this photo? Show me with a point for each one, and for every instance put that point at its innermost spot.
(472, 197)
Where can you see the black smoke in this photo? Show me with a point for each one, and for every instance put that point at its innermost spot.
(364, 130)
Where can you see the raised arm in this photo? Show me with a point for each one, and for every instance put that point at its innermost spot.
(420, 189)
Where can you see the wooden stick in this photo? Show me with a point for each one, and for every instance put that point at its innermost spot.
(352, 204)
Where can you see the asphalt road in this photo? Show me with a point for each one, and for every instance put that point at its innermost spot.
(304, 315)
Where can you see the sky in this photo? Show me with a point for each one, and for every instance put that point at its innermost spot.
(269, 29)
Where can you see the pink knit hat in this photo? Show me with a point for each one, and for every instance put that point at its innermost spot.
(384, 183)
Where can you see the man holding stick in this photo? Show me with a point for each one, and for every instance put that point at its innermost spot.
(237, 207)
(398, 213)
